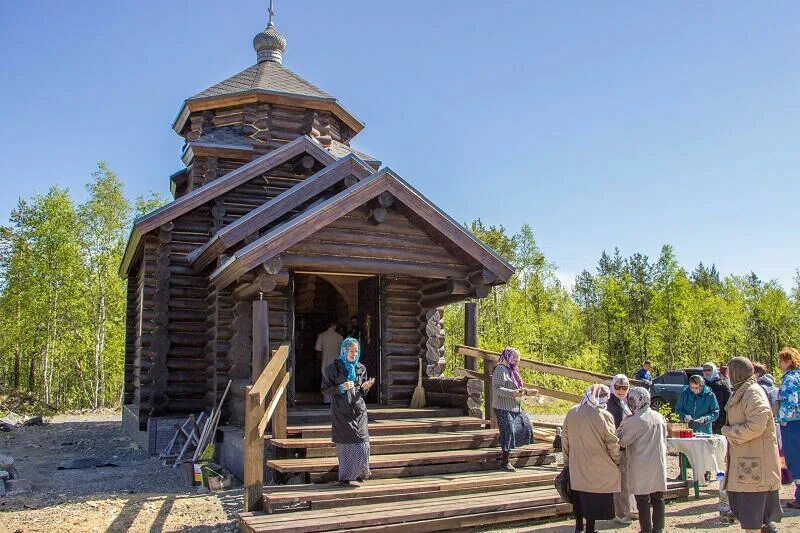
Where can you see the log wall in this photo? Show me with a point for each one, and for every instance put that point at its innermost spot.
(401, 338)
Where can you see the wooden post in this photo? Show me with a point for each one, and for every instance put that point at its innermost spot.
(260, 338)
(253, 455)
(471, 332)
(279, 430)
(488, 368)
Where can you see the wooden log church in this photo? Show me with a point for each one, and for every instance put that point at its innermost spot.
(275, 206)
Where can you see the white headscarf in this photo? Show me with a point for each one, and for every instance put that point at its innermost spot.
(596, 396)
(622, 379)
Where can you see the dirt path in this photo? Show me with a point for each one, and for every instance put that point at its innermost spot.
(139, 494)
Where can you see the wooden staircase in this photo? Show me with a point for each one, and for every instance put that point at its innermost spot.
(432, 470)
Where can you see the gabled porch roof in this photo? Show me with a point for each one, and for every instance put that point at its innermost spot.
(305, 224)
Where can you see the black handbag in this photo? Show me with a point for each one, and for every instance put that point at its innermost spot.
(562, 485)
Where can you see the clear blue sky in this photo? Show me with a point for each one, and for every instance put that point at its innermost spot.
(601, 124)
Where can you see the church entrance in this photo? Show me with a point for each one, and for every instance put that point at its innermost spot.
(329, 307)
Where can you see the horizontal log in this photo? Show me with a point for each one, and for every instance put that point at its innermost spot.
(483, 276)
(375, 251)
(450, 286)
(355, 265)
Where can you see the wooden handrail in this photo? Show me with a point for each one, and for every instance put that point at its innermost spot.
(272, 381)
(547, 368)
(277, 396)
(544, 391)
(267, 378)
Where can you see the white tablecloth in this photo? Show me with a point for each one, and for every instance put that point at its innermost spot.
(706, 454)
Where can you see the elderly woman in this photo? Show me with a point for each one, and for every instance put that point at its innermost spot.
(507, 389)
(591, 452)
(721, 392)
(789, 416)
(618, 407)
(644, 437)
(697, 405)
(753, 474)
(345, 381)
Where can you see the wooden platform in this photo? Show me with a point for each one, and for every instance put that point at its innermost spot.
(432, 470)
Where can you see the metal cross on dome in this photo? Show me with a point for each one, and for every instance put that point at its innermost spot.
(271, 12)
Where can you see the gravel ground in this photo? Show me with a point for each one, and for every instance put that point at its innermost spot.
(139, 494)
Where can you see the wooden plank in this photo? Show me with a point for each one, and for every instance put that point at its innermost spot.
(395, 427)
(547, 368)
(544, 391)
(270, 373)
(279, 395)
(327, 464)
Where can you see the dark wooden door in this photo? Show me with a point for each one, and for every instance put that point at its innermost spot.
(369, 332)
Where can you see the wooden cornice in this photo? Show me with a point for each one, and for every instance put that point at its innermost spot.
(272, 97)
(209, 191)
(232, 234)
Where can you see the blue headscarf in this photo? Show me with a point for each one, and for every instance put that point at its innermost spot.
(350, 367)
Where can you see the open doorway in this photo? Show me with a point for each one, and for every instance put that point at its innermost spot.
(347, 303)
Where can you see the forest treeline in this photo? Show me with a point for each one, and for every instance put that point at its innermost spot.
(626, 310)
(62, 303)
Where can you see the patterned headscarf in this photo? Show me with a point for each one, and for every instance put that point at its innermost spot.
(505, 358)
(638, 399)
(596, 396)
(350, 367)
(714, 371)
(622, 379)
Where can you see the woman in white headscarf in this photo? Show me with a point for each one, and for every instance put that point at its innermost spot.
(644, 437)
(591, 452)
(618, 407)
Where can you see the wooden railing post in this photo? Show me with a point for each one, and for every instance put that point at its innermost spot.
(279, 416)
(470, 332)
(253, 454)
(260, 351)
(488, 368)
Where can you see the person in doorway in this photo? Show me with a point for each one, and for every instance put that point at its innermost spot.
(644, 437)
(644, 375)
(721, 392)
(697, 405)
(753, 474)
(353, 330)
(327, 346)
(345, 381)
(507, 391)
(591, 453)
(618, 407)
(789, 416)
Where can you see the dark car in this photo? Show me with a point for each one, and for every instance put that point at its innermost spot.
(667, 387)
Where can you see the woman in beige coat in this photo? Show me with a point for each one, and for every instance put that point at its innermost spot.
(591, 452)
(753, 474)
(644, 437)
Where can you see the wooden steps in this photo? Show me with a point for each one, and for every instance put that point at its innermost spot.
(437, 513)
(386, 444)
(429, 473)
(323, 496)
(416, 464)
(401, 426)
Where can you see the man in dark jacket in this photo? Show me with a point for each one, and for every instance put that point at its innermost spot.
(721, 391)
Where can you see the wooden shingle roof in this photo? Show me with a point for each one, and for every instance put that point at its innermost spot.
(265, 76)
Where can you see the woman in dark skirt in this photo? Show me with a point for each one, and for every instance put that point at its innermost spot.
(345, 381)
(507, 389)
(591, 452)
(753, 475)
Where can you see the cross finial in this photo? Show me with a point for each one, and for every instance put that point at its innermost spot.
(271, 12)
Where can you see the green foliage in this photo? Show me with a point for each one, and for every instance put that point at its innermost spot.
(62, 304)
(628, 310)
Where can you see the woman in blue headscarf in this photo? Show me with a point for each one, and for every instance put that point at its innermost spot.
(345, 381)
